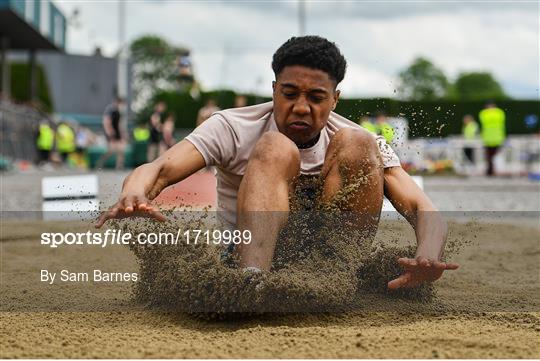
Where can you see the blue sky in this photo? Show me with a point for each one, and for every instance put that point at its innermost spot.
(232, 42)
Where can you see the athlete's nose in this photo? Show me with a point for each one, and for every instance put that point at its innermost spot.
(301, 106)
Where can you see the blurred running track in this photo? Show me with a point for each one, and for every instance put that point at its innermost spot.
(198, 190)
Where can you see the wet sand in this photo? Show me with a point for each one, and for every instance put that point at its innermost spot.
(490, 308)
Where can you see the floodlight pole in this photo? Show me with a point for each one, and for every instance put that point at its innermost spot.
(123, 59)
(122, 51)
(121, 23)
(302, 17)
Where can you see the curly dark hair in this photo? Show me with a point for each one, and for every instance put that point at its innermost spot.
(312, 52)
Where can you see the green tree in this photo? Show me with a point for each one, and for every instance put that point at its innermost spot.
(154, 67)
(422, 80)
(477, 86)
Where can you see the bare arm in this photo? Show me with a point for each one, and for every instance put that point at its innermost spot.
(147, 181)
(429, 226)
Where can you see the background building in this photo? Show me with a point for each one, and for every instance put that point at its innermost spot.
(29, 25)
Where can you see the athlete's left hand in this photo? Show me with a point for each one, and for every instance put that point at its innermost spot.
(418, 270)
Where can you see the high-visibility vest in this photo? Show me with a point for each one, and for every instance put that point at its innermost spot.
(141, 134)
(65, 139)
(470, 130)
(45, 140)
(387, 131)
(369, 126)
(493, 126)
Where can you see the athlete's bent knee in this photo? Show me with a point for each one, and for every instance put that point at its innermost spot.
(356, 145)
(276, 149)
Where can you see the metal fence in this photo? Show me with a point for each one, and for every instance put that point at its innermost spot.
(518, 156)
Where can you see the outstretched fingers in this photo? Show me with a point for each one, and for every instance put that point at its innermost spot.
(131, 207)
(410, 264)
(157, 215)
(414, 264)
(418, 270)
(444, 266)
(406, 280)
(105, 216)
(129, 204)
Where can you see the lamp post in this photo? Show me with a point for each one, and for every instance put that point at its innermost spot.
(302, 17)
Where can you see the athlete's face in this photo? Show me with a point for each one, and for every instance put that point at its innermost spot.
(303, 100)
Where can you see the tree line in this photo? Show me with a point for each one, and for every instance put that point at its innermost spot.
(423, 80)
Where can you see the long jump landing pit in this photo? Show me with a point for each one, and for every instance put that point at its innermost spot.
(487, 309)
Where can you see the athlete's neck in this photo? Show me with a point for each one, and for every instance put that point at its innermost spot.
(310, 143)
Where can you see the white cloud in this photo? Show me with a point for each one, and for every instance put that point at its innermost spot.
(364, 81)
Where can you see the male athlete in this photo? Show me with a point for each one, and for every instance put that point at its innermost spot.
(261, 151)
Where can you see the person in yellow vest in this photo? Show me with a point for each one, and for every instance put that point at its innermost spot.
(84, 137)
(44, 142)
(493, 123)
(65, 140)
(368, 125)
(470, 132)
(141, 133)
(141, 137)
(384, 128)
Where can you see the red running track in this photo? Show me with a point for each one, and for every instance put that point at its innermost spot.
(198, 190)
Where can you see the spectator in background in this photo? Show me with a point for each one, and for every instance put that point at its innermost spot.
(469, 131)
(83, 139)
(141, 133)
(240, 101)
(384, 128)
(368, 125)
(183, 62)
(168, 134)
(43, 134)
(116, 140)
(156, 120)
(492, 121)
(185, 71)
(206, 111)
(65, 141)
(44, 142)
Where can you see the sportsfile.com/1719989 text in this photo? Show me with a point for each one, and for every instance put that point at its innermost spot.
(118, 237)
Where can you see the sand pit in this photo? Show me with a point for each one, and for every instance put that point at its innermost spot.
(489, 308)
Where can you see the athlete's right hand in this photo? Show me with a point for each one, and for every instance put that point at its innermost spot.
(147, 181)
(142, 185)
(130, 207)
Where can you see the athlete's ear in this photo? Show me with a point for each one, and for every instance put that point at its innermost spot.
(336, 98)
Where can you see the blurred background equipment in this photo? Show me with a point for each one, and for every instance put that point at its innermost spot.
(66, 197)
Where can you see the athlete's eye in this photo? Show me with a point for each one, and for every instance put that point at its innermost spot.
(289, 95)
(317, 98)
